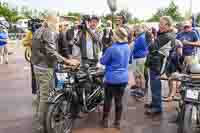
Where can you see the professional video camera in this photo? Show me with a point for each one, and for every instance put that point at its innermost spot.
(83, 25)
(34, 24)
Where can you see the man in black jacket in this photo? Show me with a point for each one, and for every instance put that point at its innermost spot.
(63, 43)
(159, 51)
(107, 36)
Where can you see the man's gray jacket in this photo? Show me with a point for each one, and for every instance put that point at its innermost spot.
(44, 48)
(97, 46)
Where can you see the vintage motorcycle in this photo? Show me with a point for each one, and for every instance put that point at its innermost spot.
(189, 105)
(188, 109)
(82, 91)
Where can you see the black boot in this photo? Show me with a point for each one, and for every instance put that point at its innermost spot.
(116, 123)
(104, 121)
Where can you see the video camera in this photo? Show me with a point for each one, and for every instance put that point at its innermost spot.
(34, 24)
(83, 25)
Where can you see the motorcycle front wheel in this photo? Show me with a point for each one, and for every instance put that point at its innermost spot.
(188, 122)
(58, 118)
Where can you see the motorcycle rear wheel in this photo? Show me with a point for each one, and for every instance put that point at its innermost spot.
(58, 118)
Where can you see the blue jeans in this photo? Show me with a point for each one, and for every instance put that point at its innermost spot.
(155, 83)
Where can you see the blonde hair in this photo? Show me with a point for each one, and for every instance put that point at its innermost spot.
(168, 19)
(139, 28)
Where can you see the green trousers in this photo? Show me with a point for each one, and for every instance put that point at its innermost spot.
(44, 80)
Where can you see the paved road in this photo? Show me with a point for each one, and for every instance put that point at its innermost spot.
(16, 110)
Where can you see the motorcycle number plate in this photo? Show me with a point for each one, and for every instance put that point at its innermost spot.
(61, 76)
(192, 94)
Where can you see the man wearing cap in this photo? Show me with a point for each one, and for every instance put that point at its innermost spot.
(107, 36)
(44, 58)
(89, 42)
(116, 60)
(188, 37)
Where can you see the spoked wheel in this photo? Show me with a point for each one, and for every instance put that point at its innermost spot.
(93, 100)
(189, 120)
(27, 54)
(59, 118)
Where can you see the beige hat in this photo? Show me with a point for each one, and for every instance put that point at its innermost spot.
(120, 35)
(187, 23)
(109, 22)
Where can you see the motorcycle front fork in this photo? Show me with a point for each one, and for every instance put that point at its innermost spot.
(181, 108)
(198, 115)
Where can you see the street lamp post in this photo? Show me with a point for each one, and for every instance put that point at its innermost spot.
(113, 8)
(191, 2)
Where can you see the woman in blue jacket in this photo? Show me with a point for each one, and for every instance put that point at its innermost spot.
(116, 60)
(139, 55)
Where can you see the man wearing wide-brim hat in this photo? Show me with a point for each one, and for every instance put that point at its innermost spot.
(189, 38)
(116, 60)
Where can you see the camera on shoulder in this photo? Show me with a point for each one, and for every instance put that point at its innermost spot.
(34, 24)
(83, 25)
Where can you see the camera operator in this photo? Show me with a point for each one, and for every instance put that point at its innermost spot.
(89, 41)
(33, 25)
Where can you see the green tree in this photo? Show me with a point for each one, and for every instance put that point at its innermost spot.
(26, 12)
(198, 18)
(11, 15)
(135, 20)
(172, 10)
(75, 14)
(43, 13)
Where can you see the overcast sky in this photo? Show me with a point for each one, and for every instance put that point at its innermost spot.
(139, 8)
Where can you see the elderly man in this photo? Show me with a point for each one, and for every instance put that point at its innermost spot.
(90, 42)
(159, 51)
(188, 37)
(44, 57)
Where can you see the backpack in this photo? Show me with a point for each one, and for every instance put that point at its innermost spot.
(174, 61)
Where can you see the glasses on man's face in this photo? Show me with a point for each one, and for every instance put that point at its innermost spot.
(186, 27)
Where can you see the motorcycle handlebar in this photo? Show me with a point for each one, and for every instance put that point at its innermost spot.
(182, 78)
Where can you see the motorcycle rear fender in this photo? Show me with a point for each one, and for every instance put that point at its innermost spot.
(55, 99)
